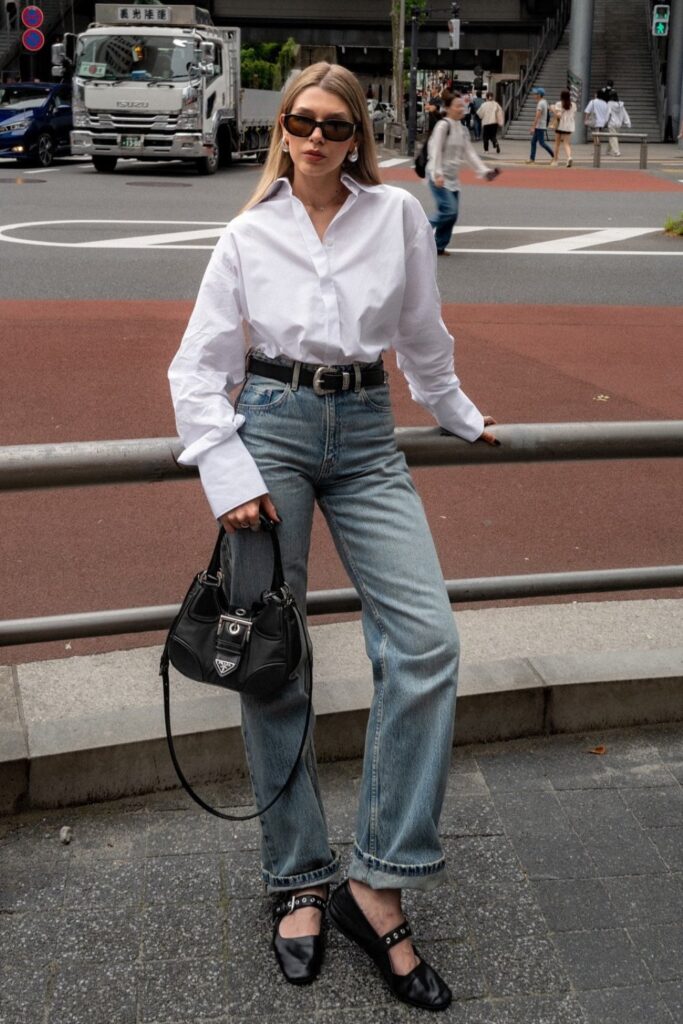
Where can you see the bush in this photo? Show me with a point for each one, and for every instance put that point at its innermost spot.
(267, 65)
(674, 225)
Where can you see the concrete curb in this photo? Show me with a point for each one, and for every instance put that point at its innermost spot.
(91, 728)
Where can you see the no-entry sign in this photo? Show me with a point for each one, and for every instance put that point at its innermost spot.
(33, 39)
(32, 17)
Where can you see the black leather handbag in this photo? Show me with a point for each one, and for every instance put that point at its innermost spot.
(255, 651)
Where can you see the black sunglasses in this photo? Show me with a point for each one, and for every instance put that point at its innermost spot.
(333, 130)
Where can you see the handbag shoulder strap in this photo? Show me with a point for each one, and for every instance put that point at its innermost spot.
(308, 683)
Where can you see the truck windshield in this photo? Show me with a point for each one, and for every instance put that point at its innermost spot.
(150, 58)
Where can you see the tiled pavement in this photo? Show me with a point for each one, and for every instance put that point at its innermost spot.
(564, 906)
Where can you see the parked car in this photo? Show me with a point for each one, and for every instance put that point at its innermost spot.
(379, 112)
(35, 121)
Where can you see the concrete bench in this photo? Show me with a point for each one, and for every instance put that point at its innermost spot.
(599, 137)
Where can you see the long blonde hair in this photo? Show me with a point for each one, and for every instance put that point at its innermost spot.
(335, 79)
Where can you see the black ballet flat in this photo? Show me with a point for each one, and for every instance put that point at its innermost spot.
(422, 987)
(300, 959)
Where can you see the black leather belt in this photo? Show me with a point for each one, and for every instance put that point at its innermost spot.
(325, 380)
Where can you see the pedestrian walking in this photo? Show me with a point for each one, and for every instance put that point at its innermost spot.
(564, 114)
(597, 112)
(449, 146)
(617, 118)
(433, 108)
(476, 103)
(467, 116)
(539, 127)
(490, 116)
(313, 422)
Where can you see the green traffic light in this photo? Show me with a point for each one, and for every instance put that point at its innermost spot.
(660, 28)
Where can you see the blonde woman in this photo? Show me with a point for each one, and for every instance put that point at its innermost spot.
(328, 268)
(564, 113)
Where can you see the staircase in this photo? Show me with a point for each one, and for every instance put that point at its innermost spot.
(622, 54)
(553, 78)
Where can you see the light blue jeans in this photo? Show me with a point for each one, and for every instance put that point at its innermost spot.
(339, 450)
(444, 220)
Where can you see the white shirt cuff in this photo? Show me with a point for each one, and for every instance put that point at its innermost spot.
(229, 475)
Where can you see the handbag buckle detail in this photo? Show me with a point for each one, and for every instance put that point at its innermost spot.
(236, 629)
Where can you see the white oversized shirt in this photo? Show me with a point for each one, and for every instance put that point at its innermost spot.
(370, 285)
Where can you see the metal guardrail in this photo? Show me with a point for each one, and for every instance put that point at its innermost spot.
(29, 467)
(600, 137)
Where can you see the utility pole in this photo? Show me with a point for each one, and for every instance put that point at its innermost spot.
(398, 69)
(414, 61)
(580, 57)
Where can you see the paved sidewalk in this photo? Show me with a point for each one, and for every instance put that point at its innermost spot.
(565, 903)
(516, 151)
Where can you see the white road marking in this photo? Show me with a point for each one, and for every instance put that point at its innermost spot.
(60, 167)
(211, 229)
(574, 252)
(573, 242)
(394, 161)
(576, 241)
(147, 241)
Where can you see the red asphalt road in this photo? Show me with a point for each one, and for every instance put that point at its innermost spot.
(95, 370)
(562, 179)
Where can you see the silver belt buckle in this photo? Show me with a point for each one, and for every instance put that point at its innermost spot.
(317, 377)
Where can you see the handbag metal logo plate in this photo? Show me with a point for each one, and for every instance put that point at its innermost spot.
(224, 667)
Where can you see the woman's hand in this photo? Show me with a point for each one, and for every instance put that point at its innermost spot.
(488, 435)
(246, 516)
(439, 181)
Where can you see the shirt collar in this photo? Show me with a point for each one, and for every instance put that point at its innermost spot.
(354, 186)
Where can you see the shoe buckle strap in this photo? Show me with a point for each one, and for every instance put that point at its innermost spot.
(398, 934)
(296, 902)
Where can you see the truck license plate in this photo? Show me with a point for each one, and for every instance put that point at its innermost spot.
(131, 142)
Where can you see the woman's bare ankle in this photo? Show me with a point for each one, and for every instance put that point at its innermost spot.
(382, 908)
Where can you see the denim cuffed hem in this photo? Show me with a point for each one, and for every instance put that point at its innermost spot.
(382, 874)
(321, 876)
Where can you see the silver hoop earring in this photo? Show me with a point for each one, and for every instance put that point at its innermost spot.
(284, 147)
(352, 157)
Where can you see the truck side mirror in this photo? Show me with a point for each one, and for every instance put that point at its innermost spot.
(62, 55)
(58, 58)
(208, 53)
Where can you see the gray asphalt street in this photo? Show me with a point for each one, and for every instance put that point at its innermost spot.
(146, 200)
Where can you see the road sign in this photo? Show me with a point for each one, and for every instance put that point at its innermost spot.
(33, 39)
(660, 19)
(32, 17)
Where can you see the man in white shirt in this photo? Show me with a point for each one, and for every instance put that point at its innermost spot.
(490, 114)
(597, 112)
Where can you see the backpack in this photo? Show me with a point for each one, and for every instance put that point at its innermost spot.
(421, 160)
(422, 157)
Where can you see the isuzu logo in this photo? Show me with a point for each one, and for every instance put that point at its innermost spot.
(141, 105)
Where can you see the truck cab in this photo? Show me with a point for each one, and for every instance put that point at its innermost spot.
(163, 83)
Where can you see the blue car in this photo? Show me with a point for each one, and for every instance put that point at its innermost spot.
(35, 121)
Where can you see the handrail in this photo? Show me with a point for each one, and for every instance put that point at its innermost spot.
(600, 137)
(16, 632)
(85, 463)
(516, 93)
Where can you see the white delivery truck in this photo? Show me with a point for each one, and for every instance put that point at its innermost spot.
(158, 82)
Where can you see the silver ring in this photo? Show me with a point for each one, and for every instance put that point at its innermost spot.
(244, 526)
